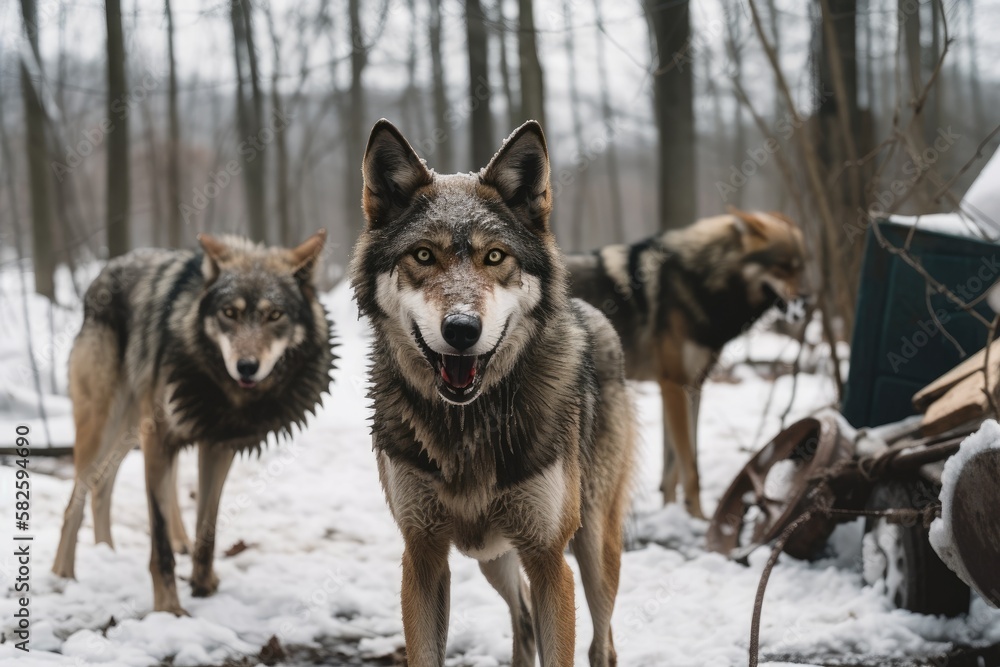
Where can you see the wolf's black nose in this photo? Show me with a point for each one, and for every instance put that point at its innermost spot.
(461, 331)
(247, 367)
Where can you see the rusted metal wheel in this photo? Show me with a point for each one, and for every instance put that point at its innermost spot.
(772, 490)
(899, 556)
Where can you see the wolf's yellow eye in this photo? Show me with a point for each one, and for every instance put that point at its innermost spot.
(274, 315)
(229, 312)
(424, 256)
(494, 257)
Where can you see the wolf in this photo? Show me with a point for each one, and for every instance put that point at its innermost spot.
(222, 348)
(502, 422)
(677, 298)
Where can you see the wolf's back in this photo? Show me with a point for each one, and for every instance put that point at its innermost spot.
(135, 293)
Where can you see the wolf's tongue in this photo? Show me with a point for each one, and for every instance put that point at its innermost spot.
(458, 371)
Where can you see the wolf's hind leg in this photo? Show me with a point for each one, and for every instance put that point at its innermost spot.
(179, 540)
(504, 574)
(94, 378)
(597, 546)
(124, 438)
(214, 462)
(678, 420)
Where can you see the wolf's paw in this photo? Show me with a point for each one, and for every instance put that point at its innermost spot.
(175, 608)
(695, 511)
(64, 571)
(205, 586)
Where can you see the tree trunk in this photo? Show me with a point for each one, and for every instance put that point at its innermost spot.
(673, 87)
(174, 186)
(513, 103)
(38, 171)
(250, 110)
(607, 114)
(153, 164)
(118, 173)
(354, 141)
(442, 153)
(839, 116)
(974, 80)
(578, 221)
(285, 233)
(735, 54)
(532, 85)
(479, 85)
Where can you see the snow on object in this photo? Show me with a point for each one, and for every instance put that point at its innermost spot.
(942, 537)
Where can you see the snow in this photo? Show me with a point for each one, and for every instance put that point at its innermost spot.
(941, 535)
(322, 563)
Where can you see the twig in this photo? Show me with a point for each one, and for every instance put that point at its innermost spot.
(976, 156)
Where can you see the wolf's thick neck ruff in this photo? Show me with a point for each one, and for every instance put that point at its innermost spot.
(214, 408)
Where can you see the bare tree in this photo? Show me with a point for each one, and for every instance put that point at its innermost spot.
(443, 152)
(838, 114)
(578, 220)
(118, 231)
(734, 52)
(285, 234)
(607, 113)
(532, 82)
(38, 172)
(173, 139)
(513, 103)
(673, 108)
(411, 106)
(250, 112)
(355, 136)
(479, 85)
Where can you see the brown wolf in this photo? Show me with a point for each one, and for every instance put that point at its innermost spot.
(676, 299)
(222, 348)
(502, 424)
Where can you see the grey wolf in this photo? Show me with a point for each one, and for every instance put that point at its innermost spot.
(677, 298)
(502, 421)
(221, 348)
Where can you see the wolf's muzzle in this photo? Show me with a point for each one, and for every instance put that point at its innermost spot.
(461, 331)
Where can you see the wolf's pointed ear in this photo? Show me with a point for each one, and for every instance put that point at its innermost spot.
(392, 173)
(520, 173)
(304, 257)
(748, 222)
(216, 252)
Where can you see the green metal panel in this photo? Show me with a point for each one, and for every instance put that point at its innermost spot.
(897, 346)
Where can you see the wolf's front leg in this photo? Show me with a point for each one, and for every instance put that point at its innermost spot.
(426, 599)
(159, 459)
(552, 606)
(214, 462)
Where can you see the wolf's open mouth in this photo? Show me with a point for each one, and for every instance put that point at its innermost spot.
(771, 295)
(459, 376)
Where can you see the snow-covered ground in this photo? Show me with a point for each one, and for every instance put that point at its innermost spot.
(321, 563)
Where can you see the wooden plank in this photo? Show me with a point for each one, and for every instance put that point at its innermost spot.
(935, 390)
(965, 401)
